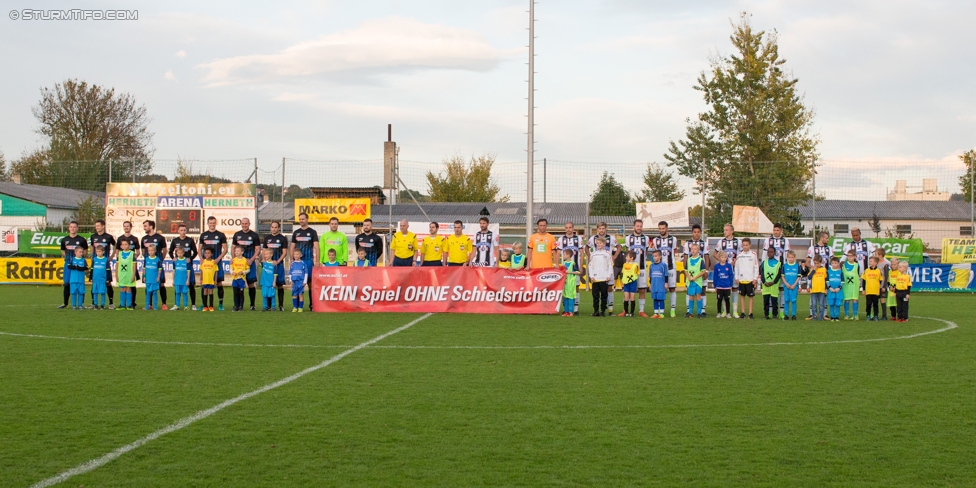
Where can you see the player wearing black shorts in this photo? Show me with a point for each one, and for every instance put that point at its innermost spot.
(306, 240)
(249, 241)
(133, 241)
(217, 243)
(68, 245)
(107, 242)
(189, 247)
(156, 239)
(278, 243)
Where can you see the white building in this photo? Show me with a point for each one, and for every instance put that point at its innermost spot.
(930, 192)
(929, 221)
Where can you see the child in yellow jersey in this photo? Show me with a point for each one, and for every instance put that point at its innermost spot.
(239, 269)
(629, 275)
(208, 273)
(892, 278)
(818, 287)
(903, 287)
(872, 287)
(505, 258)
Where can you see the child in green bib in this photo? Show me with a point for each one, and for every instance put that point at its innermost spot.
(851, 285)
(770, 274)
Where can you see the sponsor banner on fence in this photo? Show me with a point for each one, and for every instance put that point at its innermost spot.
(958, 250)
(172, 204)
(910, 249)
(8, 238)
(750, 219)
(46, 271)
(944, 277)
(674, 213)
(436, 289)
(42, 242)
(321, 210)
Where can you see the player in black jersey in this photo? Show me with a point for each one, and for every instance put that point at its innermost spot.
(217, 243)
(696, 238)
(107, 242)
(371, 242)
(278, 243)
(485, 247)
(249, 241)
(189, 247)
(640, 244)
(156, 239)
(68, 246)
(133, 241)
(306, 240)
(572, 242)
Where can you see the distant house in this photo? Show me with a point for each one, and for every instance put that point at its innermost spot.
(34, 206)
(926, 220)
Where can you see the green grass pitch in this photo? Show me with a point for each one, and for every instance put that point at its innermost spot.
(736, 407)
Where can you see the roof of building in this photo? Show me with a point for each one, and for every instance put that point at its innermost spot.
(505, 214)
(887, 210)
(49, 196)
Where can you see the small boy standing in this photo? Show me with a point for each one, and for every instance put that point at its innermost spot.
(600, 271)
(332, 259)
(268, 288)
(99, 277)
(747, 274)
(298, 273)
(835, 293)
(77, 267)
(208, 275)
(151, 267)
(125, 267)
(695, 272)
(818, 287)
(722, 278)
(505, 258)
(903, 287)
(885, 266)
(851, 270)
(629, 274)
(892, 279)
(239, 268)
(791, 285)
(658, 273)
(361, 261)
(872, 288)
(771, 272)
(181, 278)
(518, 259)
(571, 289)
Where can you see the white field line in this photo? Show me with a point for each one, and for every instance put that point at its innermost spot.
(949, 326)
(186, 421)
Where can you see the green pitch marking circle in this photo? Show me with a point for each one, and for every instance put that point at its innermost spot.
(949, 325)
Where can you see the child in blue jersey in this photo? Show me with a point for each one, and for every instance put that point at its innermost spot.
(99, 277)
(332, 259)
(298, 273)
(791, 285)
(658, 273)
(268, 289)
(361, 261)
(152, 267)
(835, 295)
(77, 267)
(722, 277)
(182, 267)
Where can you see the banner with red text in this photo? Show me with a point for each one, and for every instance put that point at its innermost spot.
(436, 289)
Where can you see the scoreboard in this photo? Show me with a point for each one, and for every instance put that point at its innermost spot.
(168, 220)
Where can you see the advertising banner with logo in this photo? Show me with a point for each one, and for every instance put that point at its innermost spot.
(8, 238)
(750, 219)
(321, 210)
(958, 250)
(910, 249)
(436, 289)
(172, 204)
(944, 277)
(674, 213)
(42, 242)
(32, 271)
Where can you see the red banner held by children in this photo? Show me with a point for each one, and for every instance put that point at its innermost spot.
(436, 289)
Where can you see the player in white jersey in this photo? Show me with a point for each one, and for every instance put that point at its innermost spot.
(732, 247)
(781, 245)
(820, 248)
(640, 244)
(610, 244)
(668, 244)
(696, 238)
(572, 242)
(862, 251)
(485, 246)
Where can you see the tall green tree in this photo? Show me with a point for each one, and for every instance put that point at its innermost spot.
(611, 198)
(966, 180)
(4, 174)
(659, 186)
(465, 182)
(754, 145)
(86, 126)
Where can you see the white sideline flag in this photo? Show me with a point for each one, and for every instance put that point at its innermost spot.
(674, 213)
(751, 220)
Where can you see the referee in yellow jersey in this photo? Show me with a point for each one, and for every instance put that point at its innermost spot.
(458, 246)
(403, 246)
(432, 248)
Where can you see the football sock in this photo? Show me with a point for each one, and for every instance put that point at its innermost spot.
(294, 302)
(856, 306)
(67, 295)
(220, 295)
(703, 301)
(193, 295)
(281, 296)
(674, 299)
(847, 308)
(250, 293)
(111, 293)
(267, 302)
(610, 300)
(641, 303)
(133, 296)
(162, 294)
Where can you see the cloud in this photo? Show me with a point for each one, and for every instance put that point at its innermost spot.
(373, 48)
(181, 54)
(170, 76)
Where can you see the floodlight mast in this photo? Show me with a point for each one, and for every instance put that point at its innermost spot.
(530, 178)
